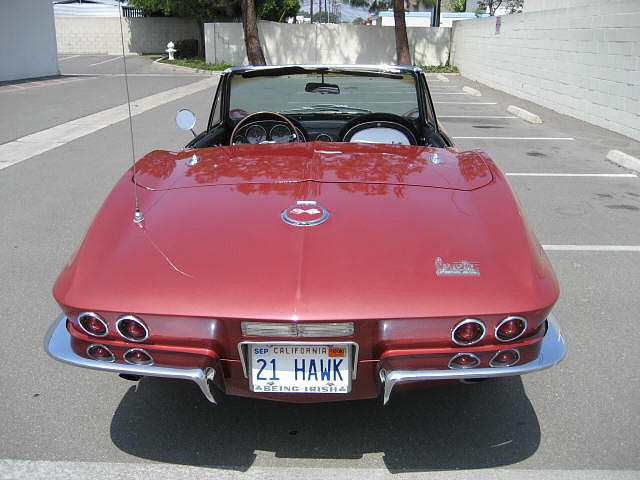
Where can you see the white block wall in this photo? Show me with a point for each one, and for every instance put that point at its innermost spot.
(28, 40)
(284, 43)
(582, 61)
(534, 5)
(101, 35)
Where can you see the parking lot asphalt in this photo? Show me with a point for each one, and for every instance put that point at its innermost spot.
(87, 86)
(579, 419)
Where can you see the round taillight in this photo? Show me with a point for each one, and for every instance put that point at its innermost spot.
(100, 352)
(132, 328)
(92, 324)
(468, 332)
(137, 356)
(464, 360)
(505, 358)
(510, 328)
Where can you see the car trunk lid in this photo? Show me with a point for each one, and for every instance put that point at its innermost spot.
(316, 161)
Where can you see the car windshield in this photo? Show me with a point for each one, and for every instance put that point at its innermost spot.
(324, 93)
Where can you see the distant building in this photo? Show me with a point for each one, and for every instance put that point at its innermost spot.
(28, 33)
(94, 8)
(423, 19)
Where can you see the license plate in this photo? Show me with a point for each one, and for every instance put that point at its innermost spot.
(300, 368)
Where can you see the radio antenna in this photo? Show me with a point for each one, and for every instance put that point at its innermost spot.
(137, 216)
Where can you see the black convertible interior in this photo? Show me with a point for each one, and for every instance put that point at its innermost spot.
(337, 107)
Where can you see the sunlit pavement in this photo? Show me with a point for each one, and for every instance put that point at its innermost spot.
(577, 420)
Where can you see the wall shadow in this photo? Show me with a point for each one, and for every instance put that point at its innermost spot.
(445, 428)
(150, 35)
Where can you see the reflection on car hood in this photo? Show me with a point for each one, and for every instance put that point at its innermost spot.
(316, 161)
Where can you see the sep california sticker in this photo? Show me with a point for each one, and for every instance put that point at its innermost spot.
(335, 352)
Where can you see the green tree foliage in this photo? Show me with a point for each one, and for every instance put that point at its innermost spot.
(325, 17)
(377, 5)
(209, 10)
(277, 10)
(203, 10)
(358, 21)
(512, 6)
(456, 5)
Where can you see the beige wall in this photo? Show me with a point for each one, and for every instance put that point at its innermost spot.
(28, 39)
(318, 44)
(582, 61)
(102, 34)
(536, 5)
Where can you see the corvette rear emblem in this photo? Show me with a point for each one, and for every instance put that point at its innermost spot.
(305, 213)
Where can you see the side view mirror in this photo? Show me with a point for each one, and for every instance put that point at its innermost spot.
(186, 119)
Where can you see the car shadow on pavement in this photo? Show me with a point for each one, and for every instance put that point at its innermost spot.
(445, 428)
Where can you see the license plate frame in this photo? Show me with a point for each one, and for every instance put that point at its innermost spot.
(247, 354)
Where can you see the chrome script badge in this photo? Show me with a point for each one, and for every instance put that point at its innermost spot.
(462, 267)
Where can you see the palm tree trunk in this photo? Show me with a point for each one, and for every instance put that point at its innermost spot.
(402, 42)
(251, 38)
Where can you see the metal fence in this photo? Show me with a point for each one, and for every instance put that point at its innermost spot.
(131, 12)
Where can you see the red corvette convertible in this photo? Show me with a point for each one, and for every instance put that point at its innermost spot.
(321, 240)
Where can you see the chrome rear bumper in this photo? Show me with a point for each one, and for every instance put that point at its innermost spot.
(551, 352)
(57, 343)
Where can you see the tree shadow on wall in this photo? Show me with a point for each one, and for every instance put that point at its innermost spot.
(327, 44)
(445, 428)
(150, 35)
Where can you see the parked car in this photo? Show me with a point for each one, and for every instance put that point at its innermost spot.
(323, 239)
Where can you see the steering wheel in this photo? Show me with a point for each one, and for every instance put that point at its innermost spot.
(379, 125)
(255, 116)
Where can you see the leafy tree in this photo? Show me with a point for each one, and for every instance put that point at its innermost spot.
(276, 10)
(377, 5)
(251, 38)
(456, 5)
(358, 21)
(202, 10)
(402, 41)
(325, 17)
(209, 10)
(512, 6)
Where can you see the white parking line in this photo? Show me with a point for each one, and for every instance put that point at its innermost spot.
(143, 74)
(45, 140)
(592, 248)
(105, 61)
(67, 58)
(597, 175)
(40, 83)
(476, 116)
(515, 138)
(468, 103)
(56, 469)
(450, 93)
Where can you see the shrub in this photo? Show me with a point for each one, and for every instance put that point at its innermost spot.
(186, 48)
